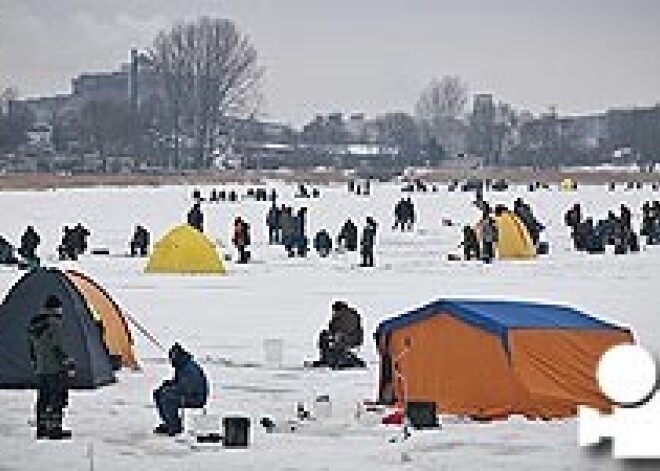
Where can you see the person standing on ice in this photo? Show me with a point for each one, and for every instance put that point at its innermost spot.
(367, 243)
(189, 388)
(489, 238)
(196, 217)
(273, 222)
(241, 239)
(30, 240)
(52, 367)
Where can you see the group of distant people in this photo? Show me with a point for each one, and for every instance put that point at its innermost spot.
(593, 237)
(480, 242)
(360, 189)
(74, 243)
(288, 228)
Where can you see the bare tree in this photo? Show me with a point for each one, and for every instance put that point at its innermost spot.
(440, 105)
(209, 71)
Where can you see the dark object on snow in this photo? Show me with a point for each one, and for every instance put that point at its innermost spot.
(101, 251)
(196, 217)
(236, 432)
(140, 242)
(323, 243)
(499, 185)
(422, 415)
(29, 242)
(543, 248)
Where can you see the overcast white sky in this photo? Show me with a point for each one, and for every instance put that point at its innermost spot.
(365, 55)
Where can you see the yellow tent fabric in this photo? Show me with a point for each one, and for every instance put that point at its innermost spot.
(567, 184)
(514, 241)
(116, 333)
(185, 250)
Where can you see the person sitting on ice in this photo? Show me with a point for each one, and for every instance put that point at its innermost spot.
(343, 335)
(188, 389)
(323, 243)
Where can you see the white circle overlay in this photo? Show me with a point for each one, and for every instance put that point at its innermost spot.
(627, 374)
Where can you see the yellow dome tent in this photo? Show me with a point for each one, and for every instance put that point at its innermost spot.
(514, 241)
(185, 250)
(568, 184)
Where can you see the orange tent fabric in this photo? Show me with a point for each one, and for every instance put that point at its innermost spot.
(116, 333)
(492, 359)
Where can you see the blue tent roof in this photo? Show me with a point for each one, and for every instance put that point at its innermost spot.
(498, 317)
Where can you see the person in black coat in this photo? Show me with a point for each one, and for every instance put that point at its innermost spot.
(323, 243)
(196, 217)
(7, 256)
(301, 240)
(140, 242)
(67, 249)
(471, 249)
(79, 238)
(189, 388)
(30, 240)
(367, 243)
(348, 236)
(274, 225)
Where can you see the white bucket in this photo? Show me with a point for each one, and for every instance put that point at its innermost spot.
(322, 407)
(273, 352)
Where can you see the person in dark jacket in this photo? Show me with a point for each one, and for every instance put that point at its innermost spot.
(470, 244)
(67, 249)
(273, 222)
(196, 217)
(30, 240)
(79, 238)
(241, 239)
(489, 238)
(288, 223)
(399, 215)
(140, 242)
(367, 243)
(188, 389)
(343, 335)
(52, 367)
(348, 236)
(301, 240)
(7, 256)
(323, 243)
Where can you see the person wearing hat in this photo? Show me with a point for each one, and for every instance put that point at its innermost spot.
(52, 367)
(189, 388)
(344, 333)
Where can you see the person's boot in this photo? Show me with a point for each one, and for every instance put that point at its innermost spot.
(56, 431)
(42, 425)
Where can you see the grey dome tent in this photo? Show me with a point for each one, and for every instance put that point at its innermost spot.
(83, 338)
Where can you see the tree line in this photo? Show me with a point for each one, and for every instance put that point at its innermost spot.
(207, 71)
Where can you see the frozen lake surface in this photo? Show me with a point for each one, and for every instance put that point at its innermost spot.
(275, 297)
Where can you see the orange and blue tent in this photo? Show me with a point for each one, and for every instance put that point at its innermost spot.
(492, 359)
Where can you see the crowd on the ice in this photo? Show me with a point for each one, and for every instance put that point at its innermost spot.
(616, 230)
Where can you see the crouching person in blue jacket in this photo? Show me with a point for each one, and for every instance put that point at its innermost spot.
(188, 389)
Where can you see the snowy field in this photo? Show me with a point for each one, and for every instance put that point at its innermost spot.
(229, 317)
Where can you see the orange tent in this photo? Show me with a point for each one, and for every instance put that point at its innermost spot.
(492, 359)
(116, 334)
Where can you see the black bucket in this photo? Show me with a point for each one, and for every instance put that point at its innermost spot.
(236, 432)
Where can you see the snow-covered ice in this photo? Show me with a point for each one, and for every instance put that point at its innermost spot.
(279, 298)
